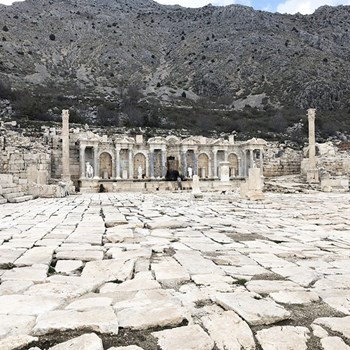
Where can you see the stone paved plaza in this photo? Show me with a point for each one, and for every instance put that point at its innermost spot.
(164, 271)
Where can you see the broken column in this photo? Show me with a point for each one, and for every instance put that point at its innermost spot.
(65, 146)
(252, 189)
(312, 172)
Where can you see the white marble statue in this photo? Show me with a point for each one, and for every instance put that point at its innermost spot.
(189, 172)
(89, 170)
(139, 172)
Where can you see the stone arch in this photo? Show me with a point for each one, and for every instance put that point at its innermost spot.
(140, 161)
(106, 165)
(203, 165)
(233, 160)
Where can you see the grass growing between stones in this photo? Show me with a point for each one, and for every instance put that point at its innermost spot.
(125, 337)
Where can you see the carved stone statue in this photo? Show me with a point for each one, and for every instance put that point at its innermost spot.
(189, 172)
(139, 172)
(89, 170)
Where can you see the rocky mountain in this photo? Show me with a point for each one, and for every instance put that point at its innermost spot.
(231, 58)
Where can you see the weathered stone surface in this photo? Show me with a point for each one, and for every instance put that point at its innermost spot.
(283, 338)
(254, 311)
(117, 234)
(68, 266)
(15, 304)
(149, 308)
(170, 272)
(36, 255)
(14, 287)
(336, 324)
(102, 320)
(89, 303)
(9, 255)
(84, 342)
(297, 274)
(84, 255)
(131, 285)
(109, 270)
(193, 336)
(35, 273)
(15, 325)
(229, 331)
(295, 297)
(16, 341)
(196, 264)
(332, 343)
(269, 286)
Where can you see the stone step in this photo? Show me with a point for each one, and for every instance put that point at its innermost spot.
(12, 195)
(6, 190)
(21, 199)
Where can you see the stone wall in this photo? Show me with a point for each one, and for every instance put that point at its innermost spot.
(280, 161)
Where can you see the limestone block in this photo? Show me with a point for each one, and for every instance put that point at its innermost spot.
(89, 303)
(36, 255)
(193, 336)
(331, 343)
(285, 337)
(86, 341)
(102, 320)
(229, 331)
(17, 342)
(16, 304)
(336, 324)
(15, 325)
(68, 266)
(254, 311)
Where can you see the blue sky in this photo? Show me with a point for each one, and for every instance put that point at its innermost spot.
(282, 6)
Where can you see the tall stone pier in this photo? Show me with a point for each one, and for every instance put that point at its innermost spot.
(312, 172)
(65, 147)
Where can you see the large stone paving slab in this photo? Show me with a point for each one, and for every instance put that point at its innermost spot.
(167, 260)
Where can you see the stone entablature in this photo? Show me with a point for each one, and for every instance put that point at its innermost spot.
(131, 158)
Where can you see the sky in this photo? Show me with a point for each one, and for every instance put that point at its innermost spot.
(282, 6)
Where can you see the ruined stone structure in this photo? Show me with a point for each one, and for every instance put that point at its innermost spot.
(312, 173)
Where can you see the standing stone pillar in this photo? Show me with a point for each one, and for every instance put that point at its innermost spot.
(164, 167)
(131, 164)
(65, 146)
(96, 167)
(184, 163)
(117, 162)
(312, 173)
(251, 160)
(209, 167)
(82, 161)
(215, 159)
(151, 163)
(195, 163)
(261, 161)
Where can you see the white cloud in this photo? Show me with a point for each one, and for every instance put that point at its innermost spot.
(201, 3)
(306, 7)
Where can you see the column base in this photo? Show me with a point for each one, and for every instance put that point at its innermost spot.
(312, 176)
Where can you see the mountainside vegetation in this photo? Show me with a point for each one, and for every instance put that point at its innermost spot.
(138, 63)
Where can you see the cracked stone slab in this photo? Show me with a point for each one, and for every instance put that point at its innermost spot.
(84, 342)
(34, 273)
(14, 287)
(36, 255)
(89, 303)
(15, 304)
(102, 320)
(270, 286)
(254, 311)
(332, 343)
(68, 266)
(336, 324)
(15, 325)
(194, 337)
(229, 331)
(9, 255)
(295, 297)
(16, 341)
(109, 270)
(283, 338)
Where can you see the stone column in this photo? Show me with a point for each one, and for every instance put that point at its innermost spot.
(117, 162)
(251, 159)
(210, 163)
(215, 161)
(164, 167)
(96, 165)
(65, 146)
(131, 164)
(195, 163)
(239, 167)
(261, 161)
(184, 163)
(151, 163)
(82, 161)
(312, 173)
